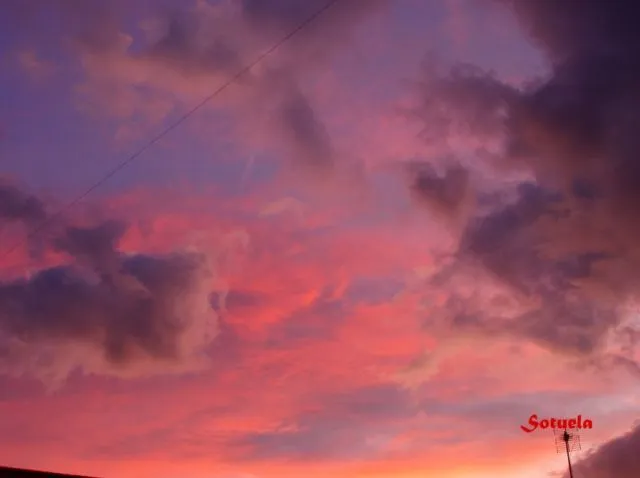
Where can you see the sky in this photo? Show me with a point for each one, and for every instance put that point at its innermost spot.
(405, 228)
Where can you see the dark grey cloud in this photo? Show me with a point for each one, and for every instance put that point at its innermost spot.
(448, 194)
(126, 320)
(566, 245)
(95, 246)
(582, 119)
(191, 46)
(307, 133)
(575, 124)
(238, 299)
(617, 458)
(487, 235)
(27, 210)
(16, 205)
(507, 245)
(463, 99)
(107, 312)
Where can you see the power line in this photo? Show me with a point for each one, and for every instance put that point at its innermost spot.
(119, 167)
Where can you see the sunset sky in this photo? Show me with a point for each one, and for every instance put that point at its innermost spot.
(408, 227)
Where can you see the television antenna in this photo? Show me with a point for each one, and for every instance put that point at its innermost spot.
(567, 441)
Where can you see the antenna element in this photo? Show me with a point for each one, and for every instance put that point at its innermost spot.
(567, 440)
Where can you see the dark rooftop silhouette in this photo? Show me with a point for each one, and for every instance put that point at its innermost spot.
(8, 472)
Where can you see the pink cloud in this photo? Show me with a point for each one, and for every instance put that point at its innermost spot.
(317, 331)
(348, 339)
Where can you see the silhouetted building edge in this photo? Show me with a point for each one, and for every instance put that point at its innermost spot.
(8, 472)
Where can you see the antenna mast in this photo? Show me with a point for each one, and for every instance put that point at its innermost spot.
(567, 442)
